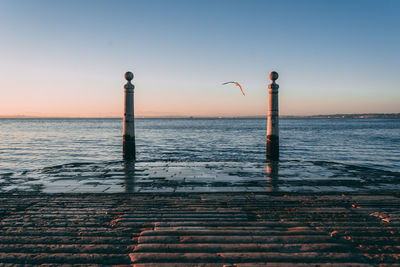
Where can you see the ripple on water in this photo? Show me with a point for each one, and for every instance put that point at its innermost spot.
(315, 155)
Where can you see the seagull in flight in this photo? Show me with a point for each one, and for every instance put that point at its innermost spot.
(237, 84)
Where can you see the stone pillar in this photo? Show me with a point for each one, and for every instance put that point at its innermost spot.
(129, 146)
(273, 119)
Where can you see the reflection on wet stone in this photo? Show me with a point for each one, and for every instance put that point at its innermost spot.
(128, 167)
(272, 175)
(199, 155)
(282, 176)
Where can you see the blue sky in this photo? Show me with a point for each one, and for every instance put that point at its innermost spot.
(67, 58)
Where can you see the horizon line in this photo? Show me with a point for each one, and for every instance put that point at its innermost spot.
(193, 117)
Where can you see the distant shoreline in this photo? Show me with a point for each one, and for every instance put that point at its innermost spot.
(351, 116)
(329, 116)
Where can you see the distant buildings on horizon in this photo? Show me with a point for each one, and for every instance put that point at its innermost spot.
(352, 116)
(327, 116)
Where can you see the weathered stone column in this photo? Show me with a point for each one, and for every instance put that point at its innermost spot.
(129, 145)
(273, 119)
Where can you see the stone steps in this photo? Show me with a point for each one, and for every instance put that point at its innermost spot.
(236, 239)
(232, 257)
(229, 247)
(70, 258)
(253, 264)
(222, 229)
(63, 248)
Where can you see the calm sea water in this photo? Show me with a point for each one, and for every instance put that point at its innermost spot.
(28, 145)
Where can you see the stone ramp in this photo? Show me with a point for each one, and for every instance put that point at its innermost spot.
(236, 229)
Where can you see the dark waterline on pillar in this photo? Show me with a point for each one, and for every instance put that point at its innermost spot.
(272, 175)
(272, 147)
(129, 148)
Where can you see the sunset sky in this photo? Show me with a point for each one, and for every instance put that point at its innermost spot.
(68, 58)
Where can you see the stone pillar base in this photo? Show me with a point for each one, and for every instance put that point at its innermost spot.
(273, 147)
(129, 148)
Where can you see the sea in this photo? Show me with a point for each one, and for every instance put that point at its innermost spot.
(199, 155)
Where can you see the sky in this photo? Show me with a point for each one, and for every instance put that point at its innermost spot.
(68, 58)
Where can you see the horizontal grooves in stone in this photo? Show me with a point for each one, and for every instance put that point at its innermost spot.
(240, 229)
(244, 257)
(252, 247)
(63, 248)
(63, 257)
(234, 239)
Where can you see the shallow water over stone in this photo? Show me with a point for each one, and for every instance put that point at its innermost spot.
(199, 155)
(129, 177)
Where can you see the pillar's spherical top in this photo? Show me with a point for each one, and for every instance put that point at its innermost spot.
(274, 76)
(129, 76)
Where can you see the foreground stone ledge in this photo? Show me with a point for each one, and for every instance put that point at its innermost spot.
(308, 257)
(268, 264)
(76, 258)
(212, 247)
(202, 229)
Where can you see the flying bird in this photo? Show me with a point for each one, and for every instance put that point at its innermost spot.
(237, 84)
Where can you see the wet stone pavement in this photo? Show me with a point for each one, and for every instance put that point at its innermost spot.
(290, 213)
(200, 229)
(180, 177)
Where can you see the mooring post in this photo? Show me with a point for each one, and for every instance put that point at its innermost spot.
(273, 119)
(129, 146)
